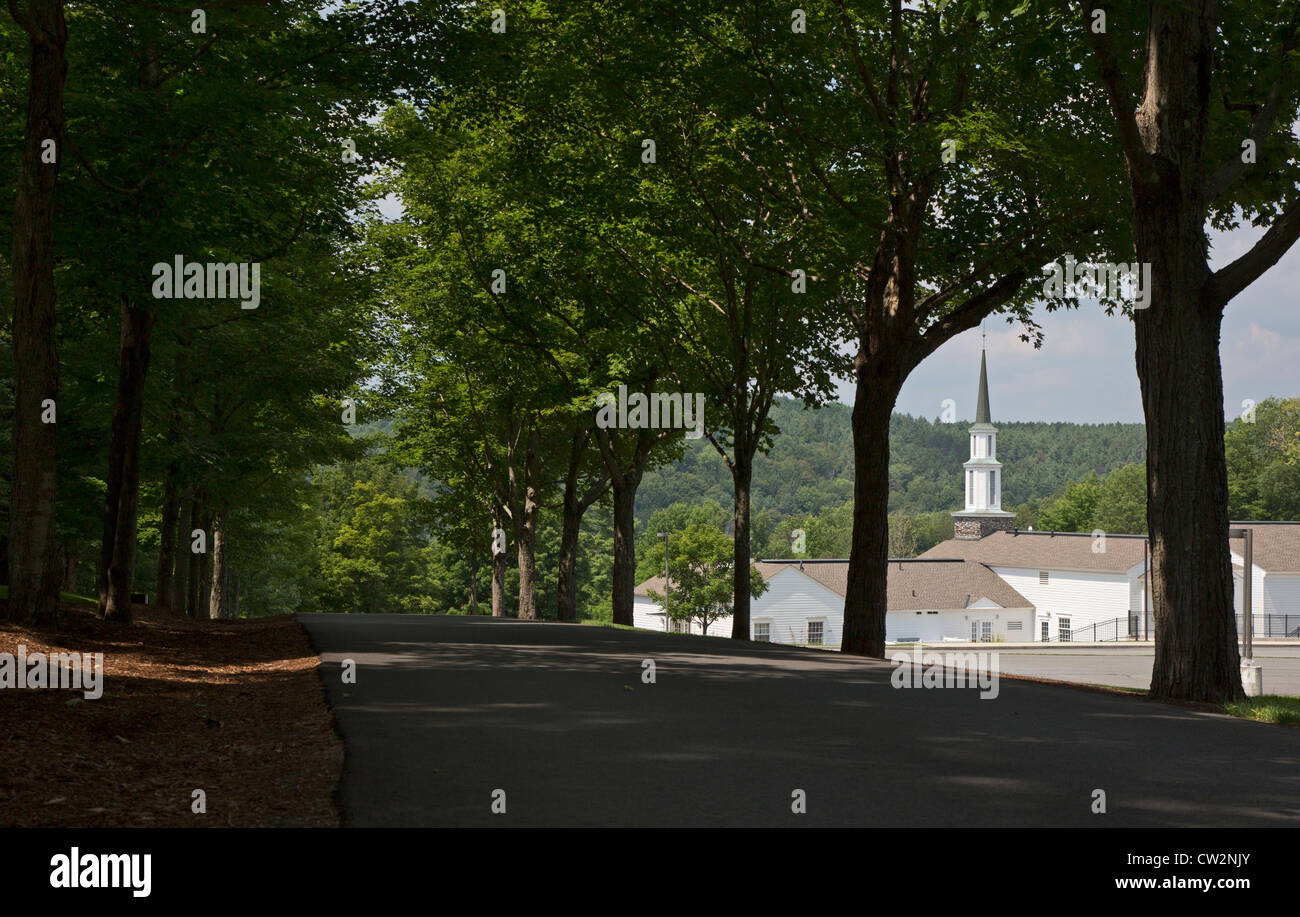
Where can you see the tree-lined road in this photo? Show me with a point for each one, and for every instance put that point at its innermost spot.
(445, 710)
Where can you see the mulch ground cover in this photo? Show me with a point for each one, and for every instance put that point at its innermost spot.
(233, 708)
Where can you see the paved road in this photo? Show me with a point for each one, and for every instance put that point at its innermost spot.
(1130, 666)
(447, 709)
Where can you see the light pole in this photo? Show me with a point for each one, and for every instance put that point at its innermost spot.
(664, 536)
(1252, 676)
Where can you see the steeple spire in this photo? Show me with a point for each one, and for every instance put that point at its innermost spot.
(983, 513)
(982, 406)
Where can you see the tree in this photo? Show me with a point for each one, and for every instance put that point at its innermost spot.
(34, 577)
(1075, 510)
(1207, 140)
(700, 576)
(1122, 503)
(731, 316)
(926, 194)
(1263, 459)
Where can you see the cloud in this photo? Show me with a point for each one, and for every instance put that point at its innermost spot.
(1085, 370)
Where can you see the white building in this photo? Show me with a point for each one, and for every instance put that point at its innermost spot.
(929, 601)
(993, 582)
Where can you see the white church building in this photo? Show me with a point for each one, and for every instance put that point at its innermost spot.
(992, 582)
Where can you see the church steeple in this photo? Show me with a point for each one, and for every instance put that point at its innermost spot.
(983, 472)
(982, 406)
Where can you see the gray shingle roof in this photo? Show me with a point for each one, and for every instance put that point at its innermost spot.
(1045, 550)
(912, 585)
(1277, 545)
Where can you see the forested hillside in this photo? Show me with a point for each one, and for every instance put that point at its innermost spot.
(810, 466)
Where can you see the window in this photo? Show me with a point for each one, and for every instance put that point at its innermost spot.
(970, 487)
(762, 632)
(986, 631)
(991, 500)
(974, 631)
(1042, 577)
(680, 626)
(1063, 629)
(1046, 636)
(815, 633)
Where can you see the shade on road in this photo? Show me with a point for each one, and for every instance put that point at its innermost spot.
(445, 710)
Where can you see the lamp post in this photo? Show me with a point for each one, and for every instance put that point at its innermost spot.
(1252, 677)
(664, 536)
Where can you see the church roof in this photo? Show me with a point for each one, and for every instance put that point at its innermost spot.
(913, 585)
(1046, 551)
(1276, 546)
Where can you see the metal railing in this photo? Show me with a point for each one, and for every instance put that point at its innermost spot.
(1272, 625)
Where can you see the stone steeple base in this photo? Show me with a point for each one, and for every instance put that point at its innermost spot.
(973, 528)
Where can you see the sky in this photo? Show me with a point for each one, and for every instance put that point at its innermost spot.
(1085, 371)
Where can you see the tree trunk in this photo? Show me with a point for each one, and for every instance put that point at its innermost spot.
(1179, 369)
(33, 571)
(624, 586)
(218, 594)
(866, 601)
(202, 600)
(473, 587)
(567, 587)
(575, 507)
(566, 608)
(171, 508)
(194, 574)
(181, 552)
(526, 541)
(117, 557)
(1187, 476)
(498, 570)
(70, 564)
(742, 473)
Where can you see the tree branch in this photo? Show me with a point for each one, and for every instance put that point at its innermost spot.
(1233, 169)
(1121, 102)
(1228, 281)
(974, 310)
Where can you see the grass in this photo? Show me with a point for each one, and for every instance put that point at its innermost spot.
(63, 596)
(595, 622)
(1125, 689)
(1268, 708)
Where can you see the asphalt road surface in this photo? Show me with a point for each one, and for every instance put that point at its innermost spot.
(1128, 666)
(447, 710)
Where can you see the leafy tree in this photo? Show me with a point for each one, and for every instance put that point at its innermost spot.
(372, 543)
(1075, 510)
(700, 576)
(1263, 461)
(1122, 503)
